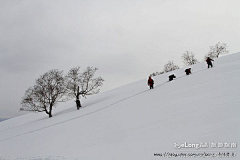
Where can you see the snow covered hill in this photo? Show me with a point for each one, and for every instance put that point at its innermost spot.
(134, 123)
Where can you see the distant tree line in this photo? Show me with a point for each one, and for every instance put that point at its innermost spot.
(53, 87)
(188, 58)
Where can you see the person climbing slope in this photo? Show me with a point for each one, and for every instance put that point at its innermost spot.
(188, 71)
(209, 62)
(171, 77)
(150, 82)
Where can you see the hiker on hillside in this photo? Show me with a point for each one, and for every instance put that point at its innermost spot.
(171, 77)
(150, 82)
(209, 62)
(188, 71)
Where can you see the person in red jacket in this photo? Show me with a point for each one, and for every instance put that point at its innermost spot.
(150, 82)
(209, 62)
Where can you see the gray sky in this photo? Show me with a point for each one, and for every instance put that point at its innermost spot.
(126, 39)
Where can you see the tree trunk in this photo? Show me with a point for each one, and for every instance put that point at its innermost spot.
(78, 103)
(50, 111)
(77, 96)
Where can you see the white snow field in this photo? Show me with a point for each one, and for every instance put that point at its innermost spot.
(134, 123)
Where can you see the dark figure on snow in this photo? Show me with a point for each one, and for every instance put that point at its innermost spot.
(78, 103)
(150, 82)
(171, 77)
(209, 62)
(188, 71)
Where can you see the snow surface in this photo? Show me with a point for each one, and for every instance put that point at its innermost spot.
(133, 122)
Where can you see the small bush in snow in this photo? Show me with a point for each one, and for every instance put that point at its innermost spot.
(189, 58)
(170, 66)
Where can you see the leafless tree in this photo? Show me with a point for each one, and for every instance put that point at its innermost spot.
(170, 66)
(49, 89)
(189, 58)
(83, 84)
(215, 51)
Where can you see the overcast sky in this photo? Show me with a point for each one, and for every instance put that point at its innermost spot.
(126, 39)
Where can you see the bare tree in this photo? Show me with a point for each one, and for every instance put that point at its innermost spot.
(170, 66)
(189, 58)
(49, 89)
(215, 51)
(83, 84)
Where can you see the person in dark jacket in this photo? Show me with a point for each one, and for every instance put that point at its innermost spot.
(188, 71)
(171, 77)
(150, 82)
(209, 62)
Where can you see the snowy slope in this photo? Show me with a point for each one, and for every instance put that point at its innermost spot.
(133, 122)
